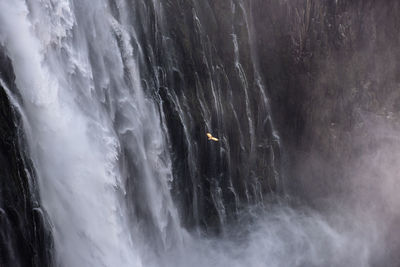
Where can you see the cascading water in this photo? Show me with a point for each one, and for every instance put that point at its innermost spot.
(84, 103)
(115, 98)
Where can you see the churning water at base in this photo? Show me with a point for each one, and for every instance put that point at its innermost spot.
(102, 160)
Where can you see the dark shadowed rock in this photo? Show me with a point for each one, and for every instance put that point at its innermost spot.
(25, 239)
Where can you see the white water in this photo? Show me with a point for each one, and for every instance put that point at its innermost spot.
(90, 124)
(74, 143)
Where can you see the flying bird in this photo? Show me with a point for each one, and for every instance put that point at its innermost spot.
(210, 137)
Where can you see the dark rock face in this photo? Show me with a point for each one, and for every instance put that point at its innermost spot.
(208, 82)
(24, 233)
(327, 64)
(332, 71)
(324, 65)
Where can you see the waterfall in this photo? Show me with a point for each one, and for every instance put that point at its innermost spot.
(90, 126)
(115, 98)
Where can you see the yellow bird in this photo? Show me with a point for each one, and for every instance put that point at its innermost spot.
(210, 137)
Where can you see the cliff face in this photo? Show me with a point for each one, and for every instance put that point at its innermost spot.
(332, 72)
(328, 66)
(208, 81)
(24, 234)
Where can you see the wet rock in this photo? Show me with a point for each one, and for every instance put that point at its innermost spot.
(25, 238)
